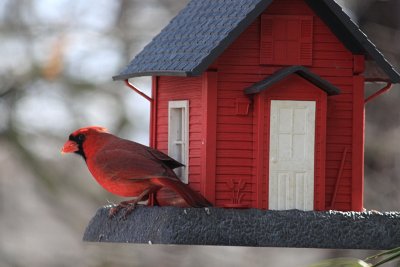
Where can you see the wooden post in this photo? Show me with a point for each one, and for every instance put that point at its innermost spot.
(153, 112)
(209, 135)
(259, 131)
(357, 185)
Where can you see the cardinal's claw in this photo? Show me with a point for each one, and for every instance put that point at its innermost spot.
(129, 209)
(129, 206)
(113, 211)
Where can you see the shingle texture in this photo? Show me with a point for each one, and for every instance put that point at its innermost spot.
(203, 29)
(248, 227)
(195, 38)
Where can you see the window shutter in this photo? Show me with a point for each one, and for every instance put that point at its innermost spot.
(267, 40)
(306, 42)
(286, 40)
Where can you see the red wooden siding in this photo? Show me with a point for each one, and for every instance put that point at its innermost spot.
(178, 88)
(239, 66)
(234, 159)
(238, 141)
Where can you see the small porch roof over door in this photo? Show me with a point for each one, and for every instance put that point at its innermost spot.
(281, 74)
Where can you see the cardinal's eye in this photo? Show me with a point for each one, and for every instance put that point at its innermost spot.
(81, 137)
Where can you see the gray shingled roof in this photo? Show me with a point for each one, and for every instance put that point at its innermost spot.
(281, 74)
(195, 38)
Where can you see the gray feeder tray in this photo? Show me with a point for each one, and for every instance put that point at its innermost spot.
(248, 227)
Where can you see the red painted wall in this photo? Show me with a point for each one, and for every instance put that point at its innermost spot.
(180, 88)
(237, 133)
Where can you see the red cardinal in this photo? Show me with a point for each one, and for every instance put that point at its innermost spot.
(129, 169)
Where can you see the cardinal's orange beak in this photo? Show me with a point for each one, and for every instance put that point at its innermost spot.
(69, 147)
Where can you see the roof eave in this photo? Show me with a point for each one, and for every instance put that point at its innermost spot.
(213, 54)
(156, 73)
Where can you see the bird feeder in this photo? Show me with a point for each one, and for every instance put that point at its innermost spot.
(263, 102)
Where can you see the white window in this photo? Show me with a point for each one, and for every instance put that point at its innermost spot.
(178, 136)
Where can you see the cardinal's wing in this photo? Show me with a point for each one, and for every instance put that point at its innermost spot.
(125, 164)
(167, 160)
(146, 151)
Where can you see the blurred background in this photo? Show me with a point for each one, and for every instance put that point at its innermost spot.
(57, 58)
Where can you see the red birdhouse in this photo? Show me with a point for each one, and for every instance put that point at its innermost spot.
(263, 101)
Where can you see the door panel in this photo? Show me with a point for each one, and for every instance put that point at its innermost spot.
(291, 155)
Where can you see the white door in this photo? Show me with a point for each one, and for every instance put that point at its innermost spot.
(291, 155)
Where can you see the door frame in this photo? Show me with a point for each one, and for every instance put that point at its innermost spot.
(289, 90)
(291, 166)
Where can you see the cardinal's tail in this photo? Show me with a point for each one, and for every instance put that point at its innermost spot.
(192, 198)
